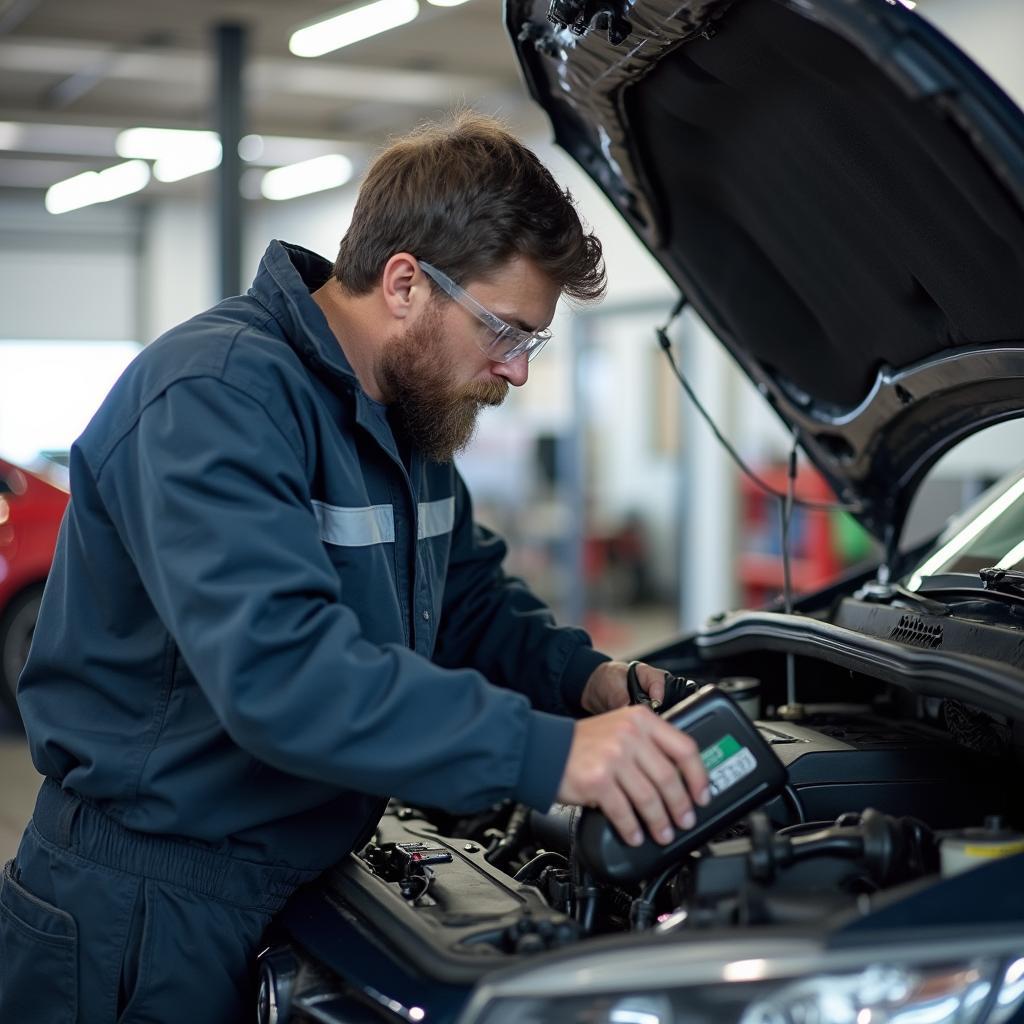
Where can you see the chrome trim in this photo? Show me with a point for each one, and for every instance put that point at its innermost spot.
(675, 965)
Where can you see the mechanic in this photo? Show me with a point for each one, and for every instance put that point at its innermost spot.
(270, 608)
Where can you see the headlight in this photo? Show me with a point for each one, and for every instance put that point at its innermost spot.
(919, 983)
(883, 995)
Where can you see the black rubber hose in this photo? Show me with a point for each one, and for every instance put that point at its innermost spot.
(585, 894)
(642, 910)
(793, 798)
(848, 844)
(535, 866)
(803, 828)
(506, 848)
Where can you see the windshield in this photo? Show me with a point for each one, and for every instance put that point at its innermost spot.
(989, 533)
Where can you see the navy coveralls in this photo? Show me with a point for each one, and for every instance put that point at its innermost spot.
(261, 622)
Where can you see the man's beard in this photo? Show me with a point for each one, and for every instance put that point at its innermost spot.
(416, 373)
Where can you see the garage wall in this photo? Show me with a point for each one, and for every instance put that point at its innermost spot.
(178, 265)
(89, 258)
(316, 222)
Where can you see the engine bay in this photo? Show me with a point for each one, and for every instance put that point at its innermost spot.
(874, 797)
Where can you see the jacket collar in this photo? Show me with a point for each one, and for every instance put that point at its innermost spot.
(287, 275)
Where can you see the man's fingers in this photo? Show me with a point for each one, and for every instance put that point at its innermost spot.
(683, 751)
(636, 768)
(619, 811)
(665, 776)
(647, 802)
(652, 680)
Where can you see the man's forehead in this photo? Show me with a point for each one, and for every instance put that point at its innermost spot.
(523, 316)
(519, 317)
(520, 293)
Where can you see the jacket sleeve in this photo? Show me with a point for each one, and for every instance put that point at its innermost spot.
(211, 501)
(493, 622)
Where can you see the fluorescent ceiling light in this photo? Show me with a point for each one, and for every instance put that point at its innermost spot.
(97, 187)
(300, 179)
(250, 147)
(352, 26)
(174, 168)
(278, 150)
(179, 153)
(446, 3)
(157, 143)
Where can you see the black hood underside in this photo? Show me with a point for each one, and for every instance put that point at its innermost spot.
(839, 193)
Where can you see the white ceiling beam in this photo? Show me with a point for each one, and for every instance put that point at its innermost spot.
(290, 75)
(21, 173)
(14, 12)
(78, 139)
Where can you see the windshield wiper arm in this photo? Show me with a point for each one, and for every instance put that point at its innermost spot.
(1003, 581)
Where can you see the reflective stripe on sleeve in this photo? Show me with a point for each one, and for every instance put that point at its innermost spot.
(355, 527)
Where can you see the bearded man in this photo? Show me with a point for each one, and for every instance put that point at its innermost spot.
(270, 608)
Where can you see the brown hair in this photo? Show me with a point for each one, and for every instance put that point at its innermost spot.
(466, 196)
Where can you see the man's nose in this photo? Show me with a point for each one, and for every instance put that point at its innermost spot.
(515, 371)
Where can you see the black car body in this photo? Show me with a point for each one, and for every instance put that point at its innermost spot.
(839, 193)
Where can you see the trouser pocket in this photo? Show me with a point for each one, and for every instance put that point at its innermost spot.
(38, 957)
(186, 949)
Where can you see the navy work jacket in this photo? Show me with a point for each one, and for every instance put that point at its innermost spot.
(260, 623)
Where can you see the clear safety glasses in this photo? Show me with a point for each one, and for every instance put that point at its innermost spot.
(508, 342)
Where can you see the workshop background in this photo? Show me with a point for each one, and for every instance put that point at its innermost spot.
(619, 506)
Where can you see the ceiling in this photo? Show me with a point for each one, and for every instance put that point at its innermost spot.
(75, 72)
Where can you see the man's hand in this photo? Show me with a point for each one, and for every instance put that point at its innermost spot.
(606, 687)
(632, 765)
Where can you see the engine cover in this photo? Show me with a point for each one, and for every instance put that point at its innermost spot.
(840, 763)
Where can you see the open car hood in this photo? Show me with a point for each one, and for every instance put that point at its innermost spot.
(834, 187)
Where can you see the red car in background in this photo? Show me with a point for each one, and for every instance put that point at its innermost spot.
(32, 503)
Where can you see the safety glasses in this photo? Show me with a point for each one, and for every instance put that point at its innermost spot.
(508, 342)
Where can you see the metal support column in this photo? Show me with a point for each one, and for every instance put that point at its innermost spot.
(709, 504)
(572, 457)
(230, 46)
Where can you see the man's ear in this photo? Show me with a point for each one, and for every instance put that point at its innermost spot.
(403, 285)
